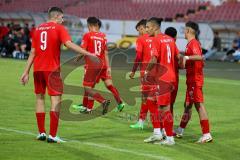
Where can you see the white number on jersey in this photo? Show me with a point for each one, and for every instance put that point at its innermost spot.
(169, 54)
(98, 47)
(43, 39)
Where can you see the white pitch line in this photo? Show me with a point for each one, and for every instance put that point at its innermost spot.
(95, 145)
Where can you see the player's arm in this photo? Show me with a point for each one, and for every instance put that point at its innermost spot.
(138, 58)
(66, 40)
(25, 76)
(150, 65)
(78, 49)
(107, 62)
(197, 55)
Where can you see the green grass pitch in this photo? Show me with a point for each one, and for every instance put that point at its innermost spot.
(109, 137)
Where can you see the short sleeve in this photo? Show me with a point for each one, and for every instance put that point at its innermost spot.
(105, 42)
(64, 35)
(176, 49)
(196, 48)
(139, 45)
(85, 39)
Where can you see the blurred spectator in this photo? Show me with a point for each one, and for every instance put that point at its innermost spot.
(26, 30)
(3, 31)
(235, 47)
(16, 41)
(216, 46)
(236, 54)
(20, 42)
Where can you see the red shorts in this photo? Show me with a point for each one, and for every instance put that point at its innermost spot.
(50, 80)
(164, 100)
(93, 76)
(194, 94)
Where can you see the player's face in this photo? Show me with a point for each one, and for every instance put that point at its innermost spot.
(186, 31)
(150, 29)
(59, 18)
(141, 30)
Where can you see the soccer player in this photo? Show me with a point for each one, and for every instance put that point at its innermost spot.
(45, 56)
(143, 56)
(163, 59)
(193, 62)
(95, 42)
(172, 32)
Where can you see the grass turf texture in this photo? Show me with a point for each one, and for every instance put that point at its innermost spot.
(110, 137)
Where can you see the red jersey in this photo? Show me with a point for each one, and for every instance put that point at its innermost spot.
(47, 41)
(166, 54)
(144, 50)
(96, 43)
(194, 69)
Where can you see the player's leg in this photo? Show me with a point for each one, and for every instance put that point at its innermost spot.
(98, 97)
(83, 106)
(155, 119)
(40, 116)
(91, 77)
(186, 117)
(40, 89)
(109, 85)
(167, 118)
(55, 91)
(189, 99)
(88, 102)
(143, 109)
(142, 115)
(204, 122)
(54, 119)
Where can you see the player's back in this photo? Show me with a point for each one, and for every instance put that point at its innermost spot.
(96, 43)
(47, 41)
(167, 50)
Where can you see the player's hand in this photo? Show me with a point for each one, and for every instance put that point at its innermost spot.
(145, 76)
(183, 61)
(131, 75)
(185, 58)
(94, 59)
(109, 71)
(24, 78)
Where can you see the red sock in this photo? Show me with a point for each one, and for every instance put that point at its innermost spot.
(168, 123)
(161, 117)
(204, 126)
(54, 118)
(115, 93)
(143, 111)
(41, 122)
(155, 118)
(98, 98)
(85, 99)
(185, 119)
(90, 103)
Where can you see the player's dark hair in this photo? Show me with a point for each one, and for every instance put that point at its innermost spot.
(99, 23)
(195, 27)
(142, 22)
(94, 21)
(156, 20)
(171, 31)
(54, 9)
